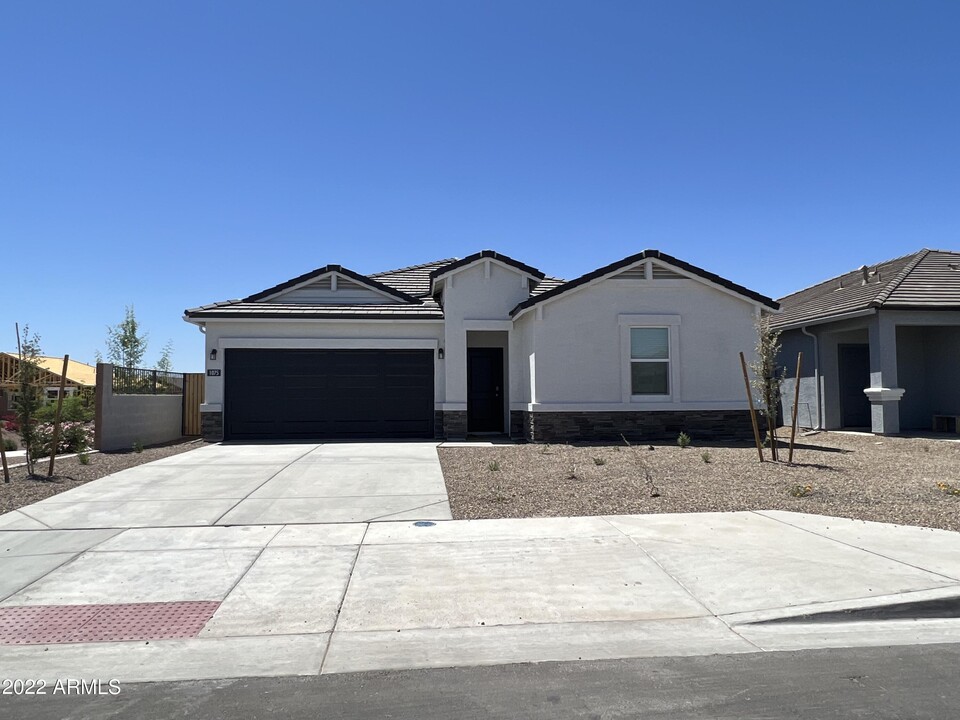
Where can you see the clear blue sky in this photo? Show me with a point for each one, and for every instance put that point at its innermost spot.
(170, 154)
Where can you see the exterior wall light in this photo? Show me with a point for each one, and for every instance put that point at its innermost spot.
(213, 354)
(440, 353)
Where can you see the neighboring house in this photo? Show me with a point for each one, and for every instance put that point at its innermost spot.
(881, 346)
(646, 346)
(80, 376)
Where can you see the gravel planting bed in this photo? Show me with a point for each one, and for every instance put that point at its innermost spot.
(70, 473)
(891, 480)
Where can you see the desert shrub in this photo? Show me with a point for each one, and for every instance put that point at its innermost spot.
(138, 447)
(705, 456)
(9, 445)
(493, 466)
(683, 440)
(74, 437)
(600, 460)
(76, 408)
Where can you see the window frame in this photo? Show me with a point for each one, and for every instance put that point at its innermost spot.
(668, 361)
(671, 323)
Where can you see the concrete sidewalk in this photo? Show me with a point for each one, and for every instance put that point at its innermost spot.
(335, 598)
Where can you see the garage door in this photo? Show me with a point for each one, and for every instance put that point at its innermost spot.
(276, 394)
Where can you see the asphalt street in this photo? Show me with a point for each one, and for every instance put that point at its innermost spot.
(877, 683)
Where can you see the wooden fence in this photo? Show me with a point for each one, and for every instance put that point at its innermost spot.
(193, 384)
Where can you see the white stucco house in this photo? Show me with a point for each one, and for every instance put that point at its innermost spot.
(646, 346)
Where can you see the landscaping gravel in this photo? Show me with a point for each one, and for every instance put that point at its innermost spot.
(862, 476)
(70, 473)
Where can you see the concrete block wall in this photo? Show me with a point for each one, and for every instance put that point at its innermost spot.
(124, 420)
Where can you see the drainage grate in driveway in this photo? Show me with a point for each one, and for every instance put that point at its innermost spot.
(51, 624)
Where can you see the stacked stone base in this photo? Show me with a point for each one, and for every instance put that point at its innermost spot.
(211, 426)
(635, 426)
(579, 426)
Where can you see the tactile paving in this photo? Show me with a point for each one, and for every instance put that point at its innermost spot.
(52, 624)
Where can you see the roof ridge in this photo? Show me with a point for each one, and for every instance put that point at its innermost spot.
(884, 294)
(836, 277)
(445, 261)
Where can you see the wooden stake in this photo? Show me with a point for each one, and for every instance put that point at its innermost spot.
(3, 458)
(796, 402)
(56, 422)
(753, 413)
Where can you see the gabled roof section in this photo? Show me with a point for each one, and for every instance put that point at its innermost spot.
(927, 279)
(413, 280)
(599, 273)
(326, 269)
(485, 255)
(78, 373)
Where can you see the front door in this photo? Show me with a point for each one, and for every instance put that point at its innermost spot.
(485, 390)
(854, 361)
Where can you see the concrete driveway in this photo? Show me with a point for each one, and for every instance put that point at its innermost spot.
(259, 484)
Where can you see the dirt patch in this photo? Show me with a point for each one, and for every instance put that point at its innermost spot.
(895, 480)
(71, 473)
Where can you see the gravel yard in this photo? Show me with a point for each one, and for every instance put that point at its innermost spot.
(849, 475)
(70, 473)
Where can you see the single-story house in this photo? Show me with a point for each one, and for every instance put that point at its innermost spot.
(646, 346)
(80, 377)
(881, 346)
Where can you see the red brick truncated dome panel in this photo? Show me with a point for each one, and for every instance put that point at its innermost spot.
(56, 624)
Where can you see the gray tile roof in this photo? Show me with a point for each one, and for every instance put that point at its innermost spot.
(922, 280)
(427, 310)
(413, 280)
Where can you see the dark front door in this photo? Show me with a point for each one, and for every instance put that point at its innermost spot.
(275, 394)
(485, 390)
(854, 361)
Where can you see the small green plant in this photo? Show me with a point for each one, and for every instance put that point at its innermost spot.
(705, 456)
(83, 458)
(9, 445)
(138, 447)
(572, 473)
(599, 461)
(948, 488)
(799, 491)
(493, 465)
(683, 440)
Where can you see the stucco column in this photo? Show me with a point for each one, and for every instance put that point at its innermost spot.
(883, 393)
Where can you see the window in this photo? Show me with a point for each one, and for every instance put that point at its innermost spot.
(650, 361)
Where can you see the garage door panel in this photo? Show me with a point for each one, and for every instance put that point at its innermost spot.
(328, 393)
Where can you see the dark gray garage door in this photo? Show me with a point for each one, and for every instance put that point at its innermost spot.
(276, 394)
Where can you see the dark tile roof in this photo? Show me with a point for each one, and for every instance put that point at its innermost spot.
(922, 280)
(493, 255)
(413, 280)
(362, 279)
(627, 261)
(426, 310)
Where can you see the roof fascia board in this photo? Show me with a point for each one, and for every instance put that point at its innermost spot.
(436, 279)
(312, 318)
(648, 283)
(826, 319)
(627, 263)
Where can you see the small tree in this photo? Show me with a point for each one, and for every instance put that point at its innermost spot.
(126, 345)
(31, 396)
(165, 363)
(767, 378)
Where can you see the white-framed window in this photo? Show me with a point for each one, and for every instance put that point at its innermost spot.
(650, 372)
